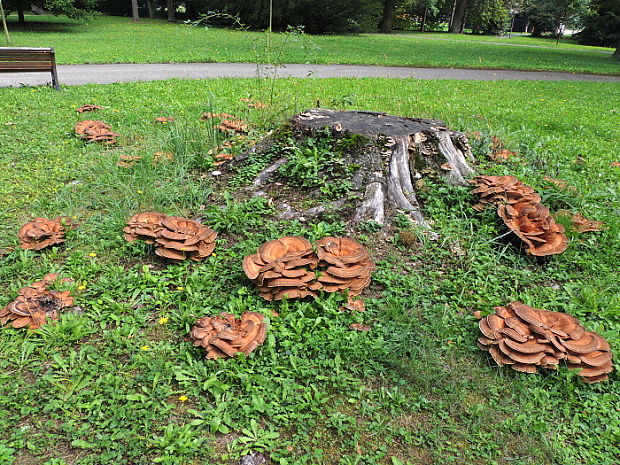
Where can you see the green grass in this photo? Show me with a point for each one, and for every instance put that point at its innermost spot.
(117, 40)
(515, 39)
(103, 385)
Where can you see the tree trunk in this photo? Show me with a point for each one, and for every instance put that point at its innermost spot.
(6, 29)
(391, 159)
(135, 17)
(424, 19)
(458, 22)
(149, 7)
(388, 12)
(170, 8)
(20, 11)
(617, 52)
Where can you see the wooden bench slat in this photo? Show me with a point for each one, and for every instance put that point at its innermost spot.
(42, 59)
(24, 68)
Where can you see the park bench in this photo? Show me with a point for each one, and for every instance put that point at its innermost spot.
(29, 60)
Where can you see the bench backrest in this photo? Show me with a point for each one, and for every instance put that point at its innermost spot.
(21, 59)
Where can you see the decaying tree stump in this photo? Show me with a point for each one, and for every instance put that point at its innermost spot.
(396, 152)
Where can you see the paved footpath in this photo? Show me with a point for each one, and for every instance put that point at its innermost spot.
(110, 73)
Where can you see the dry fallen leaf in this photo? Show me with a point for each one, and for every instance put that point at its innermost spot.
(163, 157)
(164, 119)
(359, 327)
(127, 161)
(616, 164)
(87, 108)
(253, 103)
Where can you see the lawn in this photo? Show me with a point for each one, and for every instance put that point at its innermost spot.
(515, 39)
(116, 382)
(105, 40)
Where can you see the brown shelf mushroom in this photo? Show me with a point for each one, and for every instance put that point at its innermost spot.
(96, 131)
(283, 268)
(495, 190)
(533, 224)
(579, 222)
(526, 338)
(41, 233)
(288, 267)
(174, 237)
(36, 305)
(180, 238)
(144, 226)
(520, 209)
(344, 265)
(227, 122)
(225, 336)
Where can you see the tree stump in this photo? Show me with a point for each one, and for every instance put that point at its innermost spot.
(396, 153)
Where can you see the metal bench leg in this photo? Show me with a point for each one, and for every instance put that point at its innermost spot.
(55, 82)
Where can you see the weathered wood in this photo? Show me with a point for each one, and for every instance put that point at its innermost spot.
(24, 59)
(395, 153)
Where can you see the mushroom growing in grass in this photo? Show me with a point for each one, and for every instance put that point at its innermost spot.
(527, 338)
(175, 238)
(282, 268)
(36, 304)
(42, 232)
(518, 205)
(289, 267)
(95, 131)
(225, 336)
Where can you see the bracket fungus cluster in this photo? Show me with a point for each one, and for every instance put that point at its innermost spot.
(96, 131)
(35, 304)
(344, 264)
(579, 222)
(226, 336)
(526, 338)
(518, 205)
(175, 238)
(227, 122)
(289, 267)
(283, 268)
(41, 233)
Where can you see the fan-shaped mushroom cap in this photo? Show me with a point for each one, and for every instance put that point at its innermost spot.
(225, 336)
(520, 357)
(586, 344)
(511, 333)
(597, 358)
(588, 371)
(529, 347)
(501, 189)
(42, 232)
(272, 250)
(143, 226)
(487, 331)
(252, 265)
(524, 368)
(171, 254)
(35, 305)
(93, 131)
(533, 336)
(533, 224)
(499, 357)
(179, 238)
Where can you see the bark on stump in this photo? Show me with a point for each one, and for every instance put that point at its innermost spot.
(397, 151)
